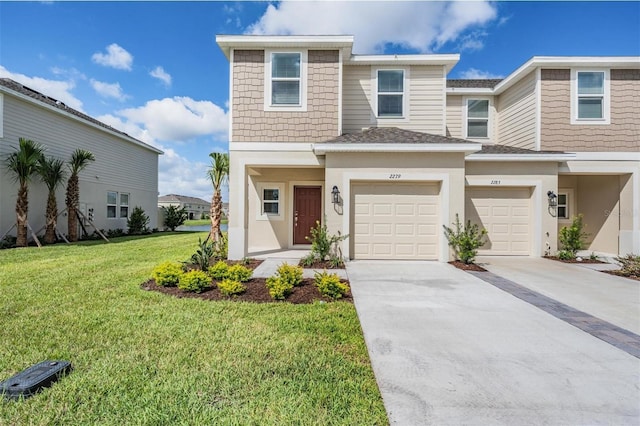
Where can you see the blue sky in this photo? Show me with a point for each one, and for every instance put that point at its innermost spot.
(153, 70)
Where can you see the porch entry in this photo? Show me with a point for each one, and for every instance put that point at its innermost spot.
(307, 209)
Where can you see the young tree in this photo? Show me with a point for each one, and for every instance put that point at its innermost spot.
(219, 175)
(51, 171)
(174, 216)
(23, 164)
(79, 160)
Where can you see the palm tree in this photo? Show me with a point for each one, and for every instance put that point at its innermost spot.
(23, 163)
(51, 171)
(79, 160)
(219, 175)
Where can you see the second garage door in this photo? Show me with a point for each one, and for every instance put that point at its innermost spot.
(395, 221)
(505, 214)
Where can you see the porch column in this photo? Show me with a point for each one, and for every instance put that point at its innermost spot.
(237, 208)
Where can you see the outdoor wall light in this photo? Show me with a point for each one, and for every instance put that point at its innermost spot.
(335, 195)
(553, 199)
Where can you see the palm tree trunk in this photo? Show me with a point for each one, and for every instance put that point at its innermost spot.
(22, 206)
(72, 205)
(52, 216)
(215, 213)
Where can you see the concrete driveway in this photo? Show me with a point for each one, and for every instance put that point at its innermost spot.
(448, 348)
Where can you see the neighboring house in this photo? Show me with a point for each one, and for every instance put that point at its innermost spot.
(124, 175)
(386, 149)
(196, 208)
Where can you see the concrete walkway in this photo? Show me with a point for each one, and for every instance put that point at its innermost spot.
(448, 348)
(272, 261)
(608, 297)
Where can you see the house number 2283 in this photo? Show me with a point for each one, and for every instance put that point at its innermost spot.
(395, 176)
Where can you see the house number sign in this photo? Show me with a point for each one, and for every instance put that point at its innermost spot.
(395, 176)
(495, 182)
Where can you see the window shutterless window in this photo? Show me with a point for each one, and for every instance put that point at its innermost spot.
(590, 94)
(477, 118)
(271, 201)
(563, 206)
(112, 201)
(390, 93)
(124, 205)
(285, 78)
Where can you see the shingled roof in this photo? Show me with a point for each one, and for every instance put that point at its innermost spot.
(394, 135)
(504, 149)
(488, 83)
(34, 94)
(175, 198)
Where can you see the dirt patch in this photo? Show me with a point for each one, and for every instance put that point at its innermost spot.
(467, 266)
(619, 273)
(256, 292)
(584, 260)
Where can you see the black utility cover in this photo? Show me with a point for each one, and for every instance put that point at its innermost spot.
(33, 379)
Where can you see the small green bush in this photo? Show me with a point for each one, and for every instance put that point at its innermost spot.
(324, 246)
(203, 255)
(167, 274)
(138, 222)
(291, 274)
(219, 271)
(278, 288)
(465, 241)
(194, 280)
(330, 285)
(572, 238)
(630, 265)
(239, 273)
(174, 216)
(566, 255)
(230, 287)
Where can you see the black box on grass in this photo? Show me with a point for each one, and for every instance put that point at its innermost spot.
(33, 379)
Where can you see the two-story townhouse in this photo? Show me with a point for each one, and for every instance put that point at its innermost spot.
(387, 150)
(123, 176)
(196, 208)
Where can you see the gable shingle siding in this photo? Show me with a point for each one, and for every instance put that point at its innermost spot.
(557, 132)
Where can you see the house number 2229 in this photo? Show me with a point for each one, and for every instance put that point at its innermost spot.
(395, 176)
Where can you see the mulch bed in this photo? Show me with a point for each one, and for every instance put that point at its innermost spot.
(320, 264)
(256, 292)
(467, 266)
(584, 260)
(619, 273)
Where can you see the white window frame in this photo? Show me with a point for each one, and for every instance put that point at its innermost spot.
(606, 98)
(403, 94)
(121, 205)
(115, 216)
(302, 106)
(465, 118)
(261, 215)
(570, 204)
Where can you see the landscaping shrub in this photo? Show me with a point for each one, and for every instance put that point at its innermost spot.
(572, 238)
(465, 241)
(230, 287)
(174, 216)
(279, 289)
(291, 274)
(167, 274)
(630, 265)
(330, 285)
(113, 233)
(138, 222)
(239, 273)
(203, 255)
(219, 271)
(194, 280)
(8, 242)
(324, 246)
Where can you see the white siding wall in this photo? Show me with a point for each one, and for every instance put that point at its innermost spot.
(454, 116)
(517, 114)
(120, 166)
(425, 90)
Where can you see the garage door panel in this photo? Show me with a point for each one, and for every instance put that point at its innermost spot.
(505, 214)
(403, 223)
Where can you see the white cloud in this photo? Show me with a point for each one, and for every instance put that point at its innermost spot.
(177, 175)
(116, 57)
(162, 75)
(60, 90)
(421, 26)
(473, 74)
(108, 90)
(178, 119)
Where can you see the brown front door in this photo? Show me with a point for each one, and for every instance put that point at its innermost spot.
(307, 209)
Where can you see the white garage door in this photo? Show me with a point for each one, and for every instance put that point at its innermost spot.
(505, 214)
(395, 221)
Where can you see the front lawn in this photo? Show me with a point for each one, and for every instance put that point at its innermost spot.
(141, 357)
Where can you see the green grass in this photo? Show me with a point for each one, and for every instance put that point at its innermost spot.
(145, 358)
(200, 222)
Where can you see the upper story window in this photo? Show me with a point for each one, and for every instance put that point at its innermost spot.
(477, 118)
(390, 93)
(285, 81)
(590, 97)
